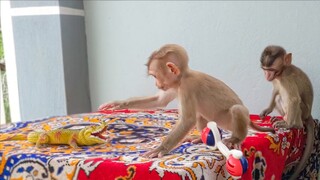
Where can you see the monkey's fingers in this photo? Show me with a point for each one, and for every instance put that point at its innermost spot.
(263, 115)
(102, 107)
(151, 154)
(275, 122)
(231, 142)
(227, 143)
(116, 107)
(158, 152)
(146, 154)
(280, 124)
(162, 153)
(105, 106)
(274, 119)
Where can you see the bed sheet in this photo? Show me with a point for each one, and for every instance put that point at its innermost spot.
(131, 133)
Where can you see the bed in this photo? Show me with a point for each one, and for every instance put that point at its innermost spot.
(131, 133)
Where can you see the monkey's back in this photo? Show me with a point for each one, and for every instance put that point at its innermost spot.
(212, 91)
(303, 83)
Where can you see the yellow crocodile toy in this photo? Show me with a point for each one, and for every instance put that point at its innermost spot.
(90, 135)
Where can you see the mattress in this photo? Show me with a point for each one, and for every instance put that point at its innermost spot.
(130, 134)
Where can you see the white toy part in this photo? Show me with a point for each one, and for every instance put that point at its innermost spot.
(236, 163)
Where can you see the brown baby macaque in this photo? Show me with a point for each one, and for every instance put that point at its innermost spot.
(292, 96)
(202, 98)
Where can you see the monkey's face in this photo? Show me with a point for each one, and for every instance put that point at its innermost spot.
(164, 81)
(161, 81)
(270, 75)
(274, 70)
(164, 78)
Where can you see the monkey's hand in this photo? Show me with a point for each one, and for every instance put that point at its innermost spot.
(158, 152)
(279, 123)
(265, 112)
(113, 105)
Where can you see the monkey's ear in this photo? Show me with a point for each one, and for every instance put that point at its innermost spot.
(288, 59)
(173, 68)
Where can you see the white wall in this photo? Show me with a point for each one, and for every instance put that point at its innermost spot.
(224, 39)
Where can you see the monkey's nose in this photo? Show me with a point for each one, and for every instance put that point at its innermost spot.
(160, 86)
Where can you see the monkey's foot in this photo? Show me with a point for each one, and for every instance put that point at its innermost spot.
(274, 119)
(279, 123)
(231, 142)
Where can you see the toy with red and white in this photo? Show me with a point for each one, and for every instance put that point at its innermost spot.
(236, 163)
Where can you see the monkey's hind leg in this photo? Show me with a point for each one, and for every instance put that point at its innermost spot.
(240, 121)
(201, 124)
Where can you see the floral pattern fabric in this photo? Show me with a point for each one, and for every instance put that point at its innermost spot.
(131, 133)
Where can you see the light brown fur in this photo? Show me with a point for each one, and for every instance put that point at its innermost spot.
(292, 96)
(202, 98)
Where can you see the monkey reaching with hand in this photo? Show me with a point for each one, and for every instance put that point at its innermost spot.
(202, 99)
(292, 96)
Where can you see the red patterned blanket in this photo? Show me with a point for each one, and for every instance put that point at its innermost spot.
(270, 156)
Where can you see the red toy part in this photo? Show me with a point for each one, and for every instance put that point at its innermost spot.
(236, 167)
(207, 137)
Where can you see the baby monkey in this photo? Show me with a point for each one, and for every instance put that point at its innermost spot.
(202, 98)
(292, 96)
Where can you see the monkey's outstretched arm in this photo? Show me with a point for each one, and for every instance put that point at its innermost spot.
(157, 101)
(186, 122)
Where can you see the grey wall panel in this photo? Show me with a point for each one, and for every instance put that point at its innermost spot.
(39, 66)
(75, 64)
(33, 3)
(51, 59)
(76, 4)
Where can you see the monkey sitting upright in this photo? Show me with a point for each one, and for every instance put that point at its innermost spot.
(202, 98)
(292, 96)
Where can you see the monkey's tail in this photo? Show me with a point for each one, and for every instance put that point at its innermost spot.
(307, 151)
(12, 137)
(260, 128)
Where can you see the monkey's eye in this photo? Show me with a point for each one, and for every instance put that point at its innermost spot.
(270, 69)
